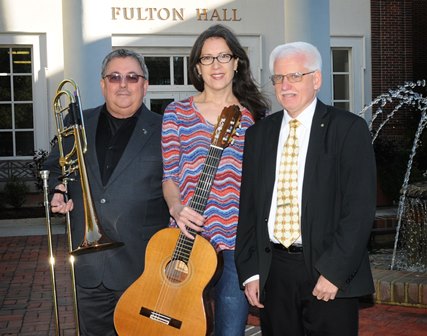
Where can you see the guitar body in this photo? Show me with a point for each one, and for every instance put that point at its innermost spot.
(167, 299)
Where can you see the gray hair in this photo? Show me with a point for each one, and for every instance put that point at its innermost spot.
(313, 60)
(122, 53)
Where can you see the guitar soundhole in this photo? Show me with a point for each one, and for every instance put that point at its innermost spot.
(176, 271)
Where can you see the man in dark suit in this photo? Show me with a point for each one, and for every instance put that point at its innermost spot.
(312, 286)
(124, 169)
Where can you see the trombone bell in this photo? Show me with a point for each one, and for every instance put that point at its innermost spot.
(97, 245)
(95, 241)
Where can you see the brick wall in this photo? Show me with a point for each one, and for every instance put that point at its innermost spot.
(399, 52)
(419, 39)
(392, 51)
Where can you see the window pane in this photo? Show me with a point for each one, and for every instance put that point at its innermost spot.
(24, 116)
(5, 116)
(159, 105)
(24, 143)
(21, 60)
(6, 148)
(5, 88)
(178, 70)
(159, 70)
(22, 88)
(342, 105)
(340, 61)
(341, 89)
(4, 60)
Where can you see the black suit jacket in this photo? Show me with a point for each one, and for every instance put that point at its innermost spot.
(130, 206)
(338, 200)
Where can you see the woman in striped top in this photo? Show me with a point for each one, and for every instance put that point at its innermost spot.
(219, 69)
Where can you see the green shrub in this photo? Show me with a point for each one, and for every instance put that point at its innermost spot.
(2, 200)
(39, 157)
(15, 192)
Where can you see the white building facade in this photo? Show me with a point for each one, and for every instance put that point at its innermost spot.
(42, 42)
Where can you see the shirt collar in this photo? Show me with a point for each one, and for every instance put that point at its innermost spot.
(305, 117)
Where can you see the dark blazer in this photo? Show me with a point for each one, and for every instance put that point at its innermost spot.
(338, 200)
(130, 207)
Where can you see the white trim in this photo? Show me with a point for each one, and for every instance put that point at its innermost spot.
(174, 95)
(358, 67)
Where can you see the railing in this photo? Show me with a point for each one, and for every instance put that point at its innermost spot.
(20, 168)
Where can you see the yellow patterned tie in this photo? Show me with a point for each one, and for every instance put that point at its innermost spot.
(287, 225)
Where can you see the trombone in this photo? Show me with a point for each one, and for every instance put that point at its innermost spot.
(67, 104)
(94, 238)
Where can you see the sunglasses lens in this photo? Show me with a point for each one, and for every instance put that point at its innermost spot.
(115, 78)
(132, 78)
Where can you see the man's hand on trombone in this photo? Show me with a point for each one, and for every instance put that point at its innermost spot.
(59, 202)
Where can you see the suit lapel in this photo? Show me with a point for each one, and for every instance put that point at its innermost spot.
(269, 156)
(91, 124)
(319, 129)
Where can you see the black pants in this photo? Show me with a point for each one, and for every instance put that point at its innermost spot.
(292, 310)
(96, 310)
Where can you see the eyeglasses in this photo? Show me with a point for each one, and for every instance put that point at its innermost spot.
(116, 78)
(221, 58)
(293, 77)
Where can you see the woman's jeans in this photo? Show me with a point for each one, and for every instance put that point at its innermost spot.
(231, 306)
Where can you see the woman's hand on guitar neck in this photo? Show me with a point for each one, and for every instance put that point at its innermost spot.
(186, 217)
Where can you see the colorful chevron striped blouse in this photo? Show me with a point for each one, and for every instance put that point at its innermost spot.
(186, 138)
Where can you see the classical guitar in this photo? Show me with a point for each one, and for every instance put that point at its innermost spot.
(168, 299)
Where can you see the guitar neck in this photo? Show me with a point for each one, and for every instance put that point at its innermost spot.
(199, 200)
(204, 185)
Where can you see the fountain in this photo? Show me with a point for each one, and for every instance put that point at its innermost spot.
(413, 235)
(410, 244)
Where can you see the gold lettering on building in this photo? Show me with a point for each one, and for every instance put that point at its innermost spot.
(116, 12)
(147, 14)
(172, 14)
(202, 14)
(225, 14)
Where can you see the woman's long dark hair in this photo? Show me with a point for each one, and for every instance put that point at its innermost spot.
(244, 87)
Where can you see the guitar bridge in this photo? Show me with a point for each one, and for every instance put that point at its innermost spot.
(161, 318)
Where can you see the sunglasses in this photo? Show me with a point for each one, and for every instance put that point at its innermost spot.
(116, 78)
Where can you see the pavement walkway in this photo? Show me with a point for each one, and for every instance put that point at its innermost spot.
(26, 291)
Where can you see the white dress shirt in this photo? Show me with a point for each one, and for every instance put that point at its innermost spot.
(303, 133)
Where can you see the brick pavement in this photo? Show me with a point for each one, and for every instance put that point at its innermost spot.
(26, 295)
(26, 291)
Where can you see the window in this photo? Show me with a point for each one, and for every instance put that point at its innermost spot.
(168, 70)
(16, 102)
(169, 81)
(341, 78)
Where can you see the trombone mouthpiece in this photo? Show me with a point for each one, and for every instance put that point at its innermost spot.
(44, 174)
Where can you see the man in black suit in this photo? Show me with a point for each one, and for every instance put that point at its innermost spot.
(124, 169)
(312, 286)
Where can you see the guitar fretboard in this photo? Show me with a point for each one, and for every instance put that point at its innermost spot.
(184, 244)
